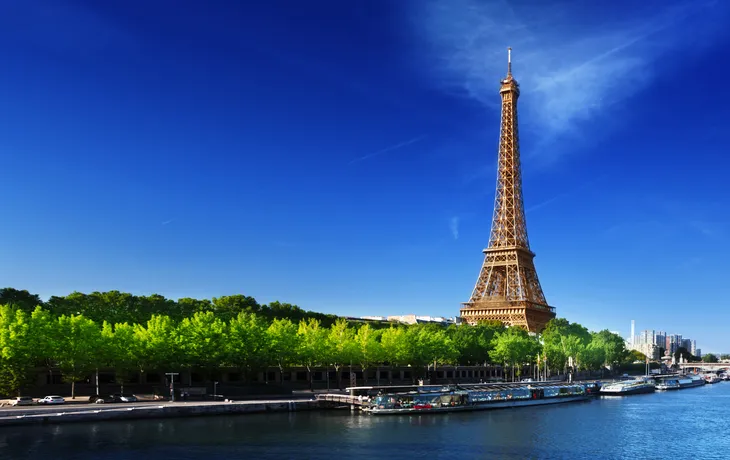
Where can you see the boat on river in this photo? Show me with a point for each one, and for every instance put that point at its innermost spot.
(680, 382)
(668, 384)
(453, 398)
(630, 387)
(711, 378)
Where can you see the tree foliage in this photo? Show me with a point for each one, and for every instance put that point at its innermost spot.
(236, 331)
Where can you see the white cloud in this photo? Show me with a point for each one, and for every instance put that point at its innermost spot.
(572, 61)
(454, 227)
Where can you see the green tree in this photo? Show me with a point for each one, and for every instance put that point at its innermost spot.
(564, 341)
(429, 344)
(343, 346)
(202, 340)
(228, 307)
(369, 350)
(592, 357)
(72, 304)
(158, 344)
(613, 346)
(122, 348)
(473, 343)
(22, 300)
(283, 342)
(77, 353)
(394, 346)
(187, 307)
(248, 343)
(515, 347)
(147, 306)
(724, 356)
(313, 347)
(17, 354)
(709, 358)
(43, 338)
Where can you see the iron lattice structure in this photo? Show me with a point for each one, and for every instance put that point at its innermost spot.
(508, 289)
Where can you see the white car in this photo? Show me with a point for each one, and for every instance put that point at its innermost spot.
(51, 400)
(22, 401)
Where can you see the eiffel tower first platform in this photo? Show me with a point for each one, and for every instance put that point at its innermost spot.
(508, 289)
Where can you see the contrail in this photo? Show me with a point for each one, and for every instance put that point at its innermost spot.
(389, 149)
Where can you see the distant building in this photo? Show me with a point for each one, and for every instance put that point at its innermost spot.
(698, 353)
(645, 343)
(673, 341)
(415, 319)
(374, 318)
(687, 344)
(633, 336)
(660, 339)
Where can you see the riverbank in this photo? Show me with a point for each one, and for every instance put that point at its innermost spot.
(93, 413)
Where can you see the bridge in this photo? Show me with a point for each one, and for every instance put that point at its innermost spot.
(714, 367)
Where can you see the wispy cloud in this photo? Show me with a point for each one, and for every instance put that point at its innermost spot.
(390, 148)
(573, 61)
(167, 222)
(454, 227)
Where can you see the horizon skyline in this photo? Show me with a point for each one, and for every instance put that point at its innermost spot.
(342, 157)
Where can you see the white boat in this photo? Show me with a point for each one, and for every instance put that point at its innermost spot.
(691, 381)
(422, 400)
(711, 378)
(626, 388)
(668, 384)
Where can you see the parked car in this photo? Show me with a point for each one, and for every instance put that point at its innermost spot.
(51, 400)
(22, 401)
(102, 399)
(114, 398)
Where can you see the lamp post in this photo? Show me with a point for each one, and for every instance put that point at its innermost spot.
(172, 384)
(215, 391)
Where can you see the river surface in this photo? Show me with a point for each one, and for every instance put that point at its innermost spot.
(691, 423)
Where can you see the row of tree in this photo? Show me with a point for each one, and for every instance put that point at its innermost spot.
(121, 307)
(207, 341)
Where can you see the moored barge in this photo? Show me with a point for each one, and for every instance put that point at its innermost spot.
(455, 398)
(626, 388)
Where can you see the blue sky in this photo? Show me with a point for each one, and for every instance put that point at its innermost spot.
(342, 155)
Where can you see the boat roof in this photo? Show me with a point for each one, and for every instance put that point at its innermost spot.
(469, 386)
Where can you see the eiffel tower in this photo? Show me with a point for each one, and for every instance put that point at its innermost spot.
(508, 289)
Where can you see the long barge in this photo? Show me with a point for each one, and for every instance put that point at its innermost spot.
(457, 398)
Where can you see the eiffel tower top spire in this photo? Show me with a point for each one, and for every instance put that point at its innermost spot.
(509, 62)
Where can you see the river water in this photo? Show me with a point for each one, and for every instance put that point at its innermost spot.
(691, 423)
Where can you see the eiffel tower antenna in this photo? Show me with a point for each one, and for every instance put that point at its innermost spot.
(507, 288)
(509, 62)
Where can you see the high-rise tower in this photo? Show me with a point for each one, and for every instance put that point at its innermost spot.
(508, 289)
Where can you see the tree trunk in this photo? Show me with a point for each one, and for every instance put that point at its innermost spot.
(97, 381)
(309, 375)
(339, 376)
(73, 389)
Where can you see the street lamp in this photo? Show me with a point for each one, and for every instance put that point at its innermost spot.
(172, 384)
(215, 391)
